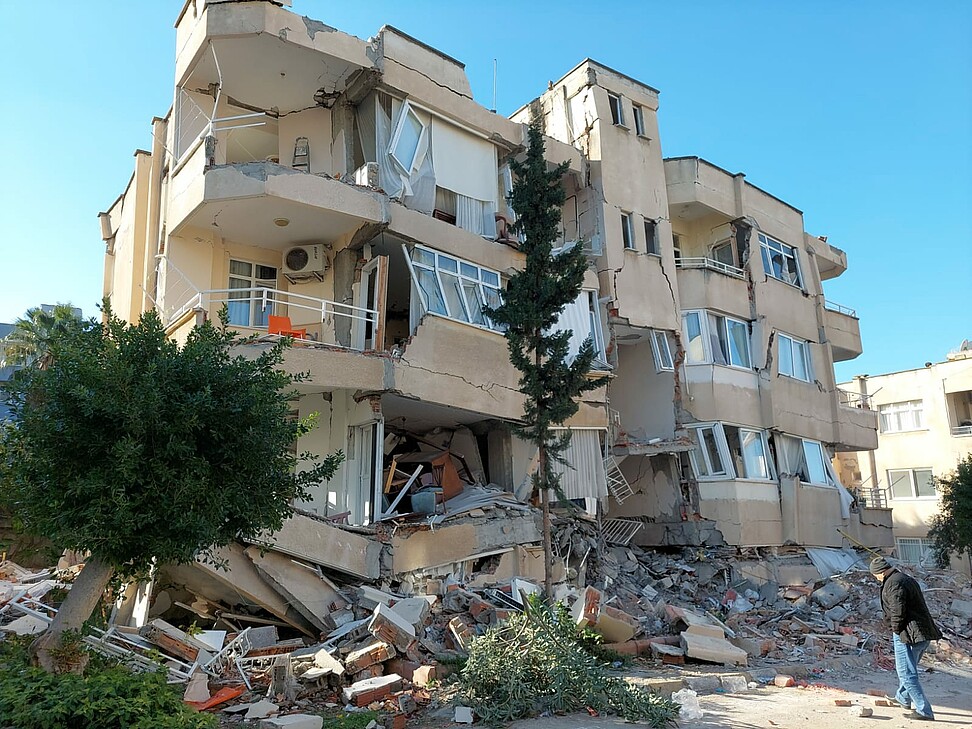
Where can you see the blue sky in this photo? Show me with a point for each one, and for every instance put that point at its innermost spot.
(859, 114)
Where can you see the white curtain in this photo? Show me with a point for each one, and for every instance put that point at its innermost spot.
(576, 317)
(793, 460)
(582, 477)
(416, 190)
(464, 163)
(476, 216)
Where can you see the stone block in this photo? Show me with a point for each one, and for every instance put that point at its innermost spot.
(962, 608)
(362, 693)
(261, 710)
(423, 676)
(713, 631)
(464, 715)
(784, 681)
(830, 595)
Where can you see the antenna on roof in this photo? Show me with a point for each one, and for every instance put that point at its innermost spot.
(494, 87)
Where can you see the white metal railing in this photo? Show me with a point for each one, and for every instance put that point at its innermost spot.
(267, 302)
(840, 309)
(960, 430)
(852, 399)
(873, 498)
(710, 264)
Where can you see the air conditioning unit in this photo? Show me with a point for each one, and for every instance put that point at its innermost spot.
(304, 262)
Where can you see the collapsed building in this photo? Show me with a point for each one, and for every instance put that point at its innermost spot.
(352, 195)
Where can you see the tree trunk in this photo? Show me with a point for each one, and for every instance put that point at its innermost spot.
(81, 601)
(545, 505)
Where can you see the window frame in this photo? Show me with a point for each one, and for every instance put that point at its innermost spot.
(255, 282)
(705, 317)
(481, 291)
(897, 409)
(807, 357)
(652, 246)
(925, 544)
(638, 112)
(913, 484)
(617, 109)
(729, 471)
(767, 249)
(396, 137)
(627, 231)
(658, 337)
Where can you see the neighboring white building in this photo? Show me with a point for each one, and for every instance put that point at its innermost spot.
(925, 430)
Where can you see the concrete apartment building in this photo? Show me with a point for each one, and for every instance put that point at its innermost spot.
(353, 193)
(925, 430)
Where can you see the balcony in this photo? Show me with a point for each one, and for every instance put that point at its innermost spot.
(831, 261)
(855, 427)
(961, 431)
(705, 283)
(698, 189)
(843, 330)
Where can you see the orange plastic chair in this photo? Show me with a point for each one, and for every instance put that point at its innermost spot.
(281, 325)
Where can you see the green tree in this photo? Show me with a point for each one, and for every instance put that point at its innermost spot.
(951, 529)
(530, 306)
(29, 341)
(135, 449)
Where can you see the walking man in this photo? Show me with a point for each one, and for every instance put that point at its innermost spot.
(913, 629)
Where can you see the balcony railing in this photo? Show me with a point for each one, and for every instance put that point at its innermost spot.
(876, 498)
(710, 264)
(850, 399)
(840, 309)
(962, 430)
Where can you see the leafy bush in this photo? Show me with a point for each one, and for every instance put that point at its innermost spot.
(536, 662)
(106, 696)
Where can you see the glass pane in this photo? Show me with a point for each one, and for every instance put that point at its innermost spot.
(792, 272)
(815, 465)
(738, 343)
(408, 140)
(664, 353)
(754, 454)
(723, 253)
(692, 329)
(241, 268)
(900, 483)
(767, 266)
(420, 255)
(735, 450)
(786, 356)
(924, 483)
(698, 460)
(266, 273)
(429, 287)
(467, 269)
(493, 301)
(474, 303)
(448, 264)
(491, 278)
(453, 295)
(260, 313)
(800, 361)
(886, 421)
(717, 339)
(712, 451)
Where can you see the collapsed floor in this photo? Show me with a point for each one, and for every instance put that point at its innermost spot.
(325, 615)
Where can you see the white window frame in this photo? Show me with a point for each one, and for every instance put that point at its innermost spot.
(700, 457)
(927, 547)
(706, 327)
(661, 348)
(627, 231)
(618, 118)
(795, 346)
(254, 299)
(895, 410)
(485, 286)
(639, 119)
(396, 137)
(651, 236)
(913, 484)
(769, 247)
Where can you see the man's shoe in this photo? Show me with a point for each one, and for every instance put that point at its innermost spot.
(919, 717)
(895, 702)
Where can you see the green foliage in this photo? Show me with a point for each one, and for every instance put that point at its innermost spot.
(951, 528)
(136, 449)
(29, 341)
(350, 720)
(104, 697)
(535, 662)
(532, 302)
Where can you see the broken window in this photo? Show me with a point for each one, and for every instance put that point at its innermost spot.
(454, 288)
(651, 236)
(617, 110)
(723, 252)
(251, 295)
(899, 417)
(716, 339)
(795, 358)
(780, 260)
(661, 348)
(911, 483)
(707, 458)
(804, 458)
(627, 231)
(639, 119)
(730, 451)
(692, 333)
(749, 452)
(407, 139)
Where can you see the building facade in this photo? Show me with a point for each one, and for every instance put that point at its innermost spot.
(352, 192)
(925, 429)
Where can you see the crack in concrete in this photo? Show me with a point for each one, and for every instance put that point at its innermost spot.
(485, 388)
(440, 85)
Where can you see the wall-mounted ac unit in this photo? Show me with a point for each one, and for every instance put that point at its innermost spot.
(304, 262)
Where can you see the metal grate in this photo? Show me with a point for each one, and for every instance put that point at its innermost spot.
(620, 531)
(617, 484)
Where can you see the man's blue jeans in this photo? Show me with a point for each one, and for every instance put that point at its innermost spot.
(910, 693)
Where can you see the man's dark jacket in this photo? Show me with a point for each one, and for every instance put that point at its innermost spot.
(905, 610)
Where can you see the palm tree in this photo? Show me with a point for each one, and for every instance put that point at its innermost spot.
(29, 341)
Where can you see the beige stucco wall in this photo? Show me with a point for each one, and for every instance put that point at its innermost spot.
(643, 397)
(747, 512)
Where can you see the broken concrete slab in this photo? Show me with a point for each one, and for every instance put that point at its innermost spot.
(362, 693)
(715, 650)
(27, 625)
(712, 631)
(312, 595)
(261, 710)
(390, 627)
(962, 608)
(830, 595)
(322, 543)
(414, 610)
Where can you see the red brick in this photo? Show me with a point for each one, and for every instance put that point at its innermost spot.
(784, 681)
(843, 702)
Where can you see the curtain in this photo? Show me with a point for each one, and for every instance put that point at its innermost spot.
(416, 190)
(476, 216)
(583, 474)
(576, 318)
(793, 462)
(464, 163)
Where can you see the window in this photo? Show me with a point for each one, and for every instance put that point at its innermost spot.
(780, 260)
(251, 300)
(651, 236)
(617, 111)
(627, 231)
(677, 245)
(716, 339)
(804, 458)
(730, 451)
(914, 550)
(722, 252)
(639, 119)
(407, 139)
(454, 288)
(581, 317)
(899, 417)
(911, 483)
(795, 358)
(662, 350)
